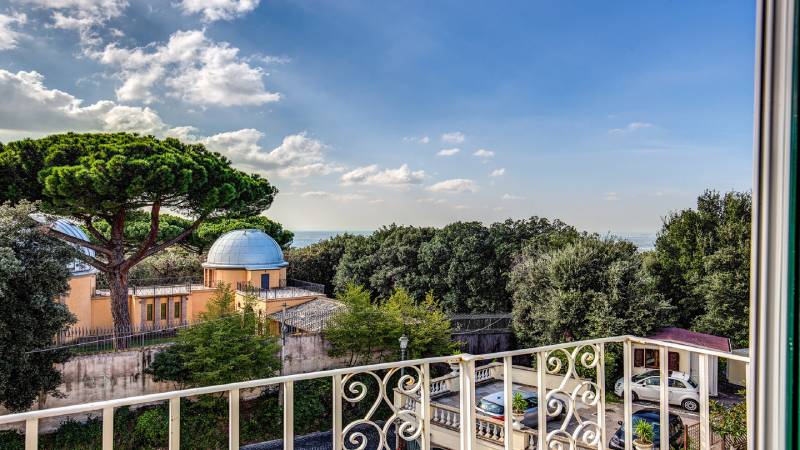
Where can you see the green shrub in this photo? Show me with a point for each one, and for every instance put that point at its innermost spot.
(152, 427)
(75, 435)
(12, 440)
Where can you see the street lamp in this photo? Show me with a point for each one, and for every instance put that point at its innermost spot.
(403, 346)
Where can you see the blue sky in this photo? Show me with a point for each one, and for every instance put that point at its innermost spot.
(604, 114)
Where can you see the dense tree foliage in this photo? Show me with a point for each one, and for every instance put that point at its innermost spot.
(365, 331)
(224, 348)
(590, 288)
(109, 177)
(317, 263)
(138, 223)
(701, 264)
(459, 265)
(464, 264)
(33, 273)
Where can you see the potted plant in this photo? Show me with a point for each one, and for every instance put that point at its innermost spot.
(644, 435)
(518, 407)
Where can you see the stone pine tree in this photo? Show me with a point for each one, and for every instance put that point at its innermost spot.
(109, 177)
(33, 272)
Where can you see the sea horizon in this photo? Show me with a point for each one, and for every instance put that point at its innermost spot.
(303, 238)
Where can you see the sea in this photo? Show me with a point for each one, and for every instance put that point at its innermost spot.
(644, 241)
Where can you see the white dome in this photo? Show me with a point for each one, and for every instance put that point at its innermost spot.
(76, 267)
(245, 249)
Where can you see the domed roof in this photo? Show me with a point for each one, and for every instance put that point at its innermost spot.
(76, 267)
(245, 249)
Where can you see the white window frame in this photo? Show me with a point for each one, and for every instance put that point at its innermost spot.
(767, 400)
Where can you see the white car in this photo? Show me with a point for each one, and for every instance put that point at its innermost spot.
(682, 390)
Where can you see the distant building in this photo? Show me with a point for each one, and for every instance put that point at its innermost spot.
(249, 260)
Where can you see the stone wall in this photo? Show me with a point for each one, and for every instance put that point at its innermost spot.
(107, 376)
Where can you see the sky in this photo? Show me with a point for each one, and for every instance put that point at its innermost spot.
(606, 115)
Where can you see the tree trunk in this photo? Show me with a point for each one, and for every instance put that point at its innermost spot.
(118, 285)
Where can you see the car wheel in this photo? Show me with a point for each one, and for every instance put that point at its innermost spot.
(690, 405)
(634, 397)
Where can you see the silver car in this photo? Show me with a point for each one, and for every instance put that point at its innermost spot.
(682, 390)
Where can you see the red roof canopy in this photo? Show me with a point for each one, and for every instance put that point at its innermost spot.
(693, 338)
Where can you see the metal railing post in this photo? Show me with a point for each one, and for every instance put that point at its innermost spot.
(467, 397)
(337, 412)
(175, 423)
(32, 434)
(601, 386)
(508, 395)
(426, 406)
(108, 428)
(541, 393)
(705, 430)
(663, 397)
(627, 421)
(233, 419)
(288, 415)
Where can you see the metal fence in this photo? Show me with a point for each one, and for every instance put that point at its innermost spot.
(99, 340)
(153, 286)
(580, 423)
(474, 323)
(283, 292)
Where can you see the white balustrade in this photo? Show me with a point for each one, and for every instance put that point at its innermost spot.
(573, 412)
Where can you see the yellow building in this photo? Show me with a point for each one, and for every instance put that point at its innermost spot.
(249, 260)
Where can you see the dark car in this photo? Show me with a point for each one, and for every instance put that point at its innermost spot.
(653, 416)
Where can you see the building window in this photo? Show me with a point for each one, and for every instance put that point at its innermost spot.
(149, 312)
(645, 357)
(164, 311)
(638, 357)
(176, 314)
(674, 361)
(651, 358)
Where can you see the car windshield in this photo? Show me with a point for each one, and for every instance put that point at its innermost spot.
(490, 407)
(691, 383)
(644, 375)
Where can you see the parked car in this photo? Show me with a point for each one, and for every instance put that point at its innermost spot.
(493, 405)
(682, 389)
(653, 416)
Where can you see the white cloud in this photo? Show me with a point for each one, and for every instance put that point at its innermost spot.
(483, 153)
(610, 196)
(455, 185)
(336, 197)
(418, 140)
(512, 197)
(448, 151)
(297, 156)
(190, 67)
(218, 9)
(84, 16)
(453, 137)
(431, 200)
(631, 127)
(372, 175)
(29, 108)
(497, 172)
(9, 36)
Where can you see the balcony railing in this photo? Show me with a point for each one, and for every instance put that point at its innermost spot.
(570, 377)
(286, 289)
(150, 287)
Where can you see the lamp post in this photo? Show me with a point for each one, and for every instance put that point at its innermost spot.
(403, 346)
